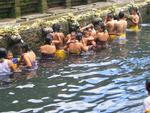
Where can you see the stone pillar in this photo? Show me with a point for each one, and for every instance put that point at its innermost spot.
(68, 3)
(43, 6)
(17, 9)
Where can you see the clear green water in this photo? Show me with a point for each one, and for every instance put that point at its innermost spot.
(110, 81)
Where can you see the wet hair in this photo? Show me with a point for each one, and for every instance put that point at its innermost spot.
(121, 15)
(85, 31)
(25, 47)
(48, 39)
(96, 21)
(56, 27)
(73, 29)
(147, 85)
(102, 26)
(3, 53)
(79, 36)
(110, 15)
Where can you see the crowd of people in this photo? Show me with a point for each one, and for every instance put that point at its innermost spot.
(93, 37)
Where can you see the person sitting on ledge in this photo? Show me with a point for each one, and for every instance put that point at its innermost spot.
(147, 100)
(6, 66)
(76, 46)
(48, 50)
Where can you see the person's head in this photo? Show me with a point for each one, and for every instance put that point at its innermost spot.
(73, 28)
(109, 16)
(96, 21)
(56, 27)
(25, 48)
(79, 36)
(86, 33)
(147, 85)
(9, 55)
(48, 39)
(101, 27)
(121, 15)
(134, 10)
(3, 53)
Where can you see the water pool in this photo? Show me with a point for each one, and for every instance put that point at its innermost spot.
(110, 81)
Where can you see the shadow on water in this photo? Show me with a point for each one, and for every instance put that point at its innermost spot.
(110, 81)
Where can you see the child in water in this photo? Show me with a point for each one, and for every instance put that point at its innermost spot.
(14, 60)
(147, 100)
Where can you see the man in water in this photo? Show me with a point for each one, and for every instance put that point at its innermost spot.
(110, 25)
(48, 50)
(134, 20)
(121, 27)
(101, 37)
(76, 45)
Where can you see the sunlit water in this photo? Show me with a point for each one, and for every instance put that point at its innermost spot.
(110, 81)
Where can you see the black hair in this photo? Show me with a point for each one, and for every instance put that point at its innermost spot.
(121, 15)
(56, 27)
(96, 21)
(102, 26)
(79, 36)
(147, 85)
(72, 29)
(110, 15)
(84, 31)
(3, 53)
(25, 47)
(48, 39)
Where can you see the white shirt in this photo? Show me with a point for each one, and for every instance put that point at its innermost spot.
(147, 104)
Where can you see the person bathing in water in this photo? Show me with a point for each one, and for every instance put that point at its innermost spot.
(101, 37)
(48, 50)
(6, 66)
(88, 39)
(121, 26)
(134, 20)
(110, 25)
(76, 45)
(28, 58)
(58, 36)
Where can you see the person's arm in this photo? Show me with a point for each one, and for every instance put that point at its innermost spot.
(58, 41)
(27, 61)
(84, 48)
(11, 65)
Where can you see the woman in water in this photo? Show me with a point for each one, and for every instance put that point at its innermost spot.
(6, 66)
(28, 58)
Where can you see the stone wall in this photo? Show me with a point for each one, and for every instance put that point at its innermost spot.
(17, 8)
